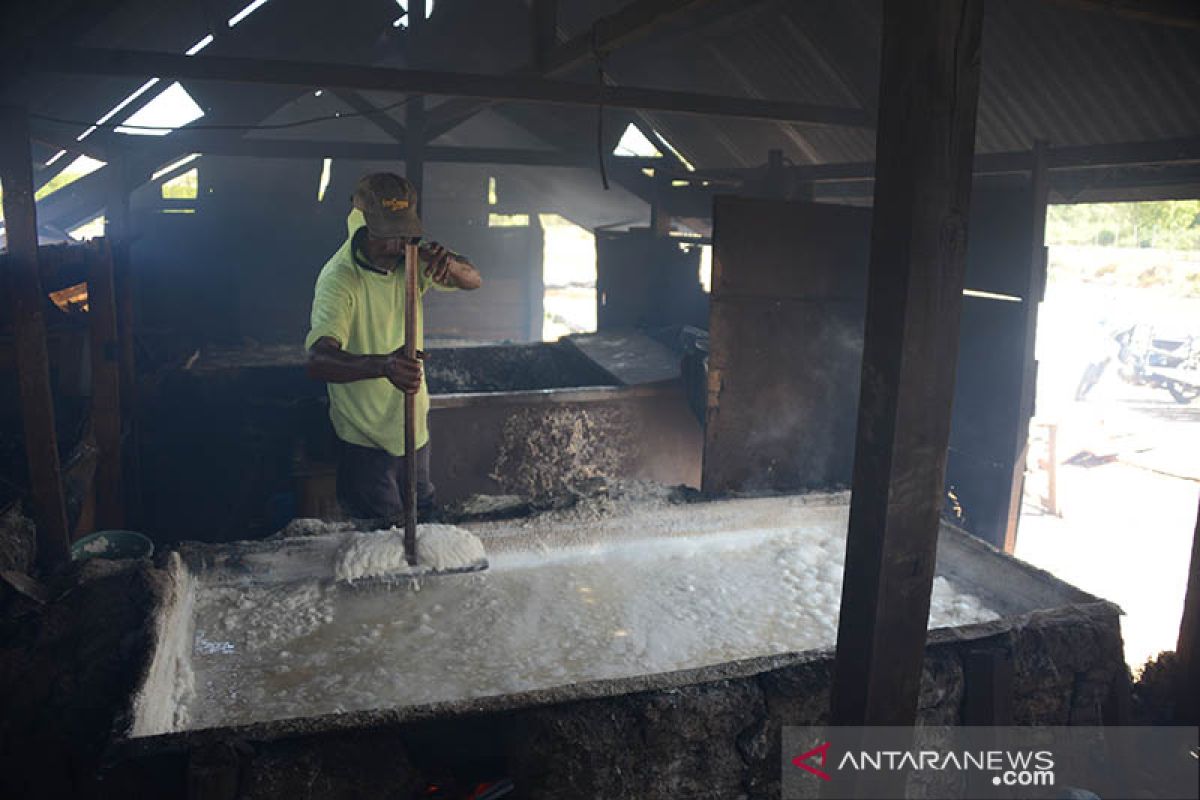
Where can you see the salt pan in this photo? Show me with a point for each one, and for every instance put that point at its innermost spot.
(534, 620)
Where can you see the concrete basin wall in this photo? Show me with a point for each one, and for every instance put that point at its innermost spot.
(711, 732)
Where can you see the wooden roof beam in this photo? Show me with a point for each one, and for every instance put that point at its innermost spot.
(425, 82)
(1173, 13)
(606, 35)
(1185, 150)
(380, 119)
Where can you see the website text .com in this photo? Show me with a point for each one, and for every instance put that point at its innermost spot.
(1024, 778)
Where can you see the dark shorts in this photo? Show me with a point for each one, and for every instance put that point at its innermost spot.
(370, 482)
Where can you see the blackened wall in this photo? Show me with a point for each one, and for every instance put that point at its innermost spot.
(242, 264)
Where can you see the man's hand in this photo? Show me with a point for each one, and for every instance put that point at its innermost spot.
(439, 263)
(446, 270)
(404, 372)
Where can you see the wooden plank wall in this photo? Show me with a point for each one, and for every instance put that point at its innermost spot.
(509, 305)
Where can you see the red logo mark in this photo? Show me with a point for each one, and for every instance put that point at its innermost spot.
(820, 750)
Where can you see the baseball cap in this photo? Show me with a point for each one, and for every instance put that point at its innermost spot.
(389, 205)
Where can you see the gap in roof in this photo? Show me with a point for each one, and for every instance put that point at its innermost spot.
(173, 108)
(112, 112)
(245, 12)
(634, 144)
(79, 168)
(200, 45)
(675, 152)
(402, 20)
(323, 181)
(174, 165)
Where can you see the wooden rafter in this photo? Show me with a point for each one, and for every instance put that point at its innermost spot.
(422, 82)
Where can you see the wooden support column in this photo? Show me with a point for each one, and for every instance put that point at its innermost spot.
(119, 185)
(775, 181)
(118, 230)
(26, 300)
(987, 700)
(414, 111)
(1188, 648)
(930, 86)
(660, 217)
(414, 149)
(544, 21)
(106, 386)
(1034, 292)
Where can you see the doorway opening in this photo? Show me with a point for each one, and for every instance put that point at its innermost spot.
(568, 278)
(1113, 474)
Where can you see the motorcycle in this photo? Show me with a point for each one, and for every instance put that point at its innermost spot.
(1146, 358)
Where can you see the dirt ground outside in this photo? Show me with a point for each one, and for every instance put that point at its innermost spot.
(1128, 469)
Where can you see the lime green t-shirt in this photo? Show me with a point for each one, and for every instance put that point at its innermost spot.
(364, 312)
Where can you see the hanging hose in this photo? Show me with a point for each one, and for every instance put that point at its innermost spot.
(600, 107)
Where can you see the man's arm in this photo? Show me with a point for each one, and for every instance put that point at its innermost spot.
(328, 362)
(451, 270)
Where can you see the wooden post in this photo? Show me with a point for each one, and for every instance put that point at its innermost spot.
(1188, 648)
(988, 686)
(106, 386)
(1033, 293)
(544, 21)
(775, 180)
(23, 286)
(660, 218)
(537, 282)
(987, 701)
(414, 147)
(930, 86)
(414, 113)
(118, 230)
(1051, 471)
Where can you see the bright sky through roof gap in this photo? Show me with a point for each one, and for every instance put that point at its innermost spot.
(635, 144)
(138, 92)
(428, 7)
(173, 108)
(686, 164)
(200, 45)
(323, 183)
(169, 168)
(245, 12)
(79, 168)
(55, 157)
(141, 90)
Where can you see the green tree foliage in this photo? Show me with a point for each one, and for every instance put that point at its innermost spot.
(1168, 224)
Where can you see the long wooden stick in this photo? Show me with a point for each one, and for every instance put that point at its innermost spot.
(411, 265)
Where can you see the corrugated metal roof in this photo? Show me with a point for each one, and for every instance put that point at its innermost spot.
(1070, 77)
(1067, 76)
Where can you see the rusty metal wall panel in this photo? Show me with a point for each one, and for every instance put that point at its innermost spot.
(785, 342)
(529, 443)
(646, 281)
